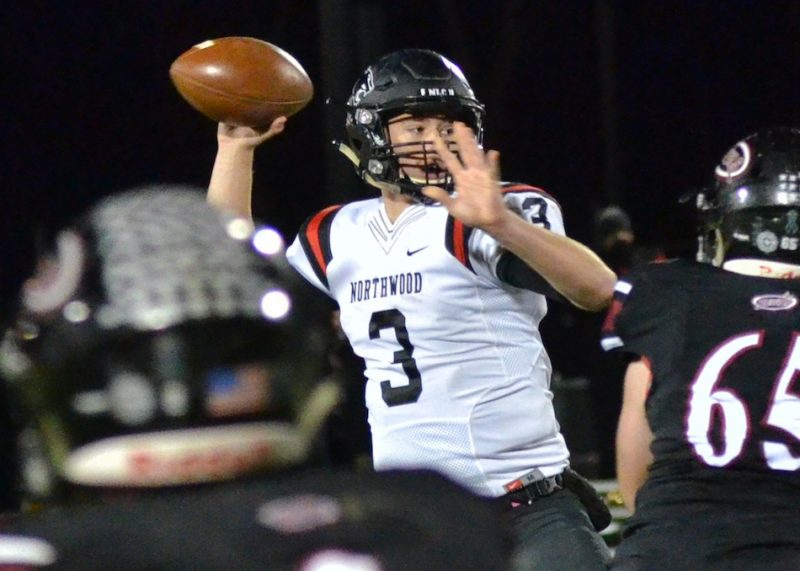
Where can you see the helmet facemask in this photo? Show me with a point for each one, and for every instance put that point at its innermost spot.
(417, 162)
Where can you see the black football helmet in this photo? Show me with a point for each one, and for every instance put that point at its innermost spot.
(414, 81)
(753, 209)
(164, 343)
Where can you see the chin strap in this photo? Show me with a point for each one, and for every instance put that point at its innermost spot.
(351, 156)
(407, 186)
(347, 152)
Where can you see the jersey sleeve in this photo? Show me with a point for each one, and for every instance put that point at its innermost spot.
(493, 261)
(311, 252)
(642, 318)
(536, 205)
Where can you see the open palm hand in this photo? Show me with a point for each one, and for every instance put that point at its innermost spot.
(478, 200)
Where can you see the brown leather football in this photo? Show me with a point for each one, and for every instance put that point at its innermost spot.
(241, 81)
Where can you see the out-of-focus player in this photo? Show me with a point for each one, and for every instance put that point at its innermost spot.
(708, 442)
(169, 358)
(441, 285)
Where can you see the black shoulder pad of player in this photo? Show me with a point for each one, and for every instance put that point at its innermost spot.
(515, 272)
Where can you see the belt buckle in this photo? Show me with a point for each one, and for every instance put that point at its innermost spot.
(536, 485)
(547, 486)
(524, 481)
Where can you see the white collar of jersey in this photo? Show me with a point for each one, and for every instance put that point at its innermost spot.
(762, 268)
(386, 233)
(409, 214)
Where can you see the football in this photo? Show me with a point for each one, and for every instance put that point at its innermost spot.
(241, 81)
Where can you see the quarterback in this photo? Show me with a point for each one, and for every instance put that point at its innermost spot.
(441, 284)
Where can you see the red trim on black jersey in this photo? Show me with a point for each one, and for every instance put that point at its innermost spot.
(456, 240)
(514, 187)
(610, 322)
(315, 238)
(609, 337)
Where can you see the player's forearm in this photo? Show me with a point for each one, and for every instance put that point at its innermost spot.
(571, 268)
(633, 461)
(628, 488)
(634, 436)
(231, 182)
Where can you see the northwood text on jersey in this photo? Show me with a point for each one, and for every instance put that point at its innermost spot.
(385, 286)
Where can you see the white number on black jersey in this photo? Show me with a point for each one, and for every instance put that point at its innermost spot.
(709, 402)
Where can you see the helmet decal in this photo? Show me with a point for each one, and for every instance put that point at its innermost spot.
(766, 241)
(57, 278)
(789, 181)
(362, 89)
(735, 163)
(791, 227)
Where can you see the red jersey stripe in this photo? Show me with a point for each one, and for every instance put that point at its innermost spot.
(610, 322)
(458, 242)
(312, 234)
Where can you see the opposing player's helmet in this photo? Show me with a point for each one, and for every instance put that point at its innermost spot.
(417, 82)
(164, 343)
(753, 209)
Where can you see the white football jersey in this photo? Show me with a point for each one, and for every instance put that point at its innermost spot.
(457, 378)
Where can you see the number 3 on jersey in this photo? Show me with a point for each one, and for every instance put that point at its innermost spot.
(394, 319)
(539, 215)
(706, 398)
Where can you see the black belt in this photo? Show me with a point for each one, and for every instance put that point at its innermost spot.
(537, 489)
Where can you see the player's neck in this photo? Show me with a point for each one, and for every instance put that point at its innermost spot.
(395, 204)
(762, 268)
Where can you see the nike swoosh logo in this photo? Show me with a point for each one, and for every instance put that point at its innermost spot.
(412, 252)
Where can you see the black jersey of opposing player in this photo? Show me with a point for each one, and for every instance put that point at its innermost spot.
(403, 520)
(724, 406)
